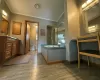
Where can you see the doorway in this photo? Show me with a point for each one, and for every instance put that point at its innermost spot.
(31, 36)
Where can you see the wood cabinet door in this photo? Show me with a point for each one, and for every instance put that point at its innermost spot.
(14, 48)
(8, 50)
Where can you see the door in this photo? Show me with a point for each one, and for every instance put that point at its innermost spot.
(28, 38)
(29, 33)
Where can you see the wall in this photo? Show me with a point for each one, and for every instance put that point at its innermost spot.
(42, 25)
(60, 24)
(72, 28)
(61, 20)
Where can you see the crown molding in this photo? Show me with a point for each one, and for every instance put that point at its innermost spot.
(34, 16)
(8, 6)
(60, 16)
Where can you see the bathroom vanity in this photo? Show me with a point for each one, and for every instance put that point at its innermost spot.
(9, 48)
(53, 53)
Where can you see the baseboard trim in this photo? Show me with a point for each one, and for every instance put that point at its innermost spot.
(55, 62)
(71, 62)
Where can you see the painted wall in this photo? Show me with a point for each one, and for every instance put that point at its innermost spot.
(60, 24)
(61, 20)
(42, 25)
(72, 28)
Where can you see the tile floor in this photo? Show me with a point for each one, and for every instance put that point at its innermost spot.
(37, 69)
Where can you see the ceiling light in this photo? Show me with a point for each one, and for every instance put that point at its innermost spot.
(37, 6)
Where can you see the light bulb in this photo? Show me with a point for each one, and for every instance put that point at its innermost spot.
(89, 1)
(4, 13)
(84, 5)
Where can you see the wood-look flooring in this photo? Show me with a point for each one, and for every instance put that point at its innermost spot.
(37, 69)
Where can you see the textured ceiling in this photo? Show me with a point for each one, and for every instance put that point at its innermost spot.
(50, 9)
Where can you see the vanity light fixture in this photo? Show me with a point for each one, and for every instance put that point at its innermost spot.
(84, 5)
(89, 2)
(92, 28)
(4, 13)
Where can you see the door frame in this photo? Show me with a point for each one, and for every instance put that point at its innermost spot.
(25, 31)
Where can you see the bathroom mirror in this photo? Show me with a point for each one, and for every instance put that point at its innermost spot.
(51, 35)
(4, 26)
(91, 18)
(61, 35)
(55, 35)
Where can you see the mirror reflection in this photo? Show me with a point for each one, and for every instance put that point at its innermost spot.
(56, 34)
(92, 18)
(61, 34)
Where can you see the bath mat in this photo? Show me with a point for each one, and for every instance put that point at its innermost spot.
(18, 60)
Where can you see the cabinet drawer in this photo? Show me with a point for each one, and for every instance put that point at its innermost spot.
(8, 48)
(8, 56)
(9, 39)
(7, 52)
(8, 44)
